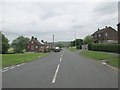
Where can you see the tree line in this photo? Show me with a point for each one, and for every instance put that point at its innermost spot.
(79, 42)
(18, 44)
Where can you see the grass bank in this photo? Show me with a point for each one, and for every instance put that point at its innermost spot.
(72, 49)
(13, 59)
(110, 58)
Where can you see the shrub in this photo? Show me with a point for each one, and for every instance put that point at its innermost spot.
(105, 47)
(79, 46)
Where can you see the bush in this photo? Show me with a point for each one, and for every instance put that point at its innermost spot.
(79, 47)
(105, 47)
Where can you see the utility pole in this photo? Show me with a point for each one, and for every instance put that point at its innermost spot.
(75, 37)
(53, 39)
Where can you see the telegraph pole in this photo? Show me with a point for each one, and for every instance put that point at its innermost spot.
(53, 39)
(75, 37)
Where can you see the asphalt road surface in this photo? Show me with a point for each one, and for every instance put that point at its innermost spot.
(63, 69)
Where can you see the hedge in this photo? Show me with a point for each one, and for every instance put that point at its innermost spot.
(105, 47)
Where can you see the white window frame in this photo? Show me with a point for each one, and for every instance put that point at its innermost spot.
(99, 35)
(32, 42)
(106, 34)
(32, 47)
(36, 46)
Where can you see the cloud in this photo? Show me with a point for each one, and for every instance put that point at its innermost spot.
(106, 8)
(43, 19)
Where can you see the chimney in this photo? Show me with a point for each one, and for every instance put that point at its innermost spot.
(42, 41)
(98, 29)
(105, 26)
(35, 38)
(32, 38)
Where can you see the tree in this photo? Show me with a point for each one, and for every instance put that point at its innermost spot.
(19, 44)
(79, 43)
(60, 44)
(72, 43)
(5, 44)
(88, 40)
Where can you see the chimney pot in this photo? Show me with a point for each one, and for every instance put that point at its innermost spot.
(32, 37)
(35, 38)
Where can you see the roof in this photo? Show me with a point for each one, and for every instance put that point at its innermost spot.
(37, 42)
(103, 30)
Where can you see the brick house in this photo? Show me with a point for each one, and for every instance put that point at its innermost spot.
(105, 35)
(35, 46)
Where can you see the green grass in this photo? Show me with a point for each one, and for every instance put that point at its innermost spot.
(97, 55)
(72, 49)
(112, 59)
(114, 62)
(13, 59)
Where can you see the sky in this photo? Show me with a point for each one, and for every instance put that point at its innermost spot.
(43, 19)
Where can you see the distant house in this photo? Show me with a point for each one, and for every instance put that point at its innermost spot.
(105, 35)
(35, 46)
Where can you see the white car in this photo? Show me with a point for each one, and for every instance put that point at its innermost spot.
(57, 49)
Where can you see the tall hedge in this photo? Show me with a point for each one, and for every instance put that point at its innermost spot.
(105, 47)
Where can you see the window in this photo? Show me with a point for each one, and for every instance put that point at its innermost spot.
(106, 34)
(95, 35)
(36, 46)
(99, 35)
(32, 42)
(32, 47)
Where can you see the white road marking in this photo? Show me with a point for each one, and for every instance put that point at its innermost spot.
(104, 63)
(18, 65)
(5, 70)
(8, 68)
(54, 78)
(22, 64)
(11, 67)
(60, 59)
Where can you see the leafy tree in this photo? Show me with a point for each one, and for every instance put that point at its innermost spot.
(5, 44)
(19, 44)
(77, 43)
(60, 44)
(88, 40)
(72, 43)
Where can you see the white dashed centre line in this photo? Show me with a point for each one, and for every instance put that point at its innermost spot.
(55, 75)
(54, 78)
(60, 59)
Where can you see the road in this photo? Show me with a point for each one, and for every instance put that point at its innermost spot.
(63, 69)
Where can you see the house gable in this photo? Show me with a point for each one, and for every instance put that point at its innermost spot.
(105, 35)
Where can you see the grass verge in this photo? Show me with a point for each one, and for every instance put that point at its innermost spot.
(114, 62)
(110, 58)
(13, 59)
(72, 49)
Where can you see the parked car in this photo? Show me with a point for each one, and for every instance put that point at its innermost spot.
(57, 49)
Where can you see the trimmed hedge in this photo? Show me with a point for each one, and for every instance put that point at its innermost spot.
(105, 47)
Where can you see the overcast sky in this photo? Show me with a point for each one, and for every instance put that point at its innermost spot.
(62, 19)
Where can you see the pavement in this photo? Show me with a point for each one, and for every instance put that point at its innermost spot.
(63, 69)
